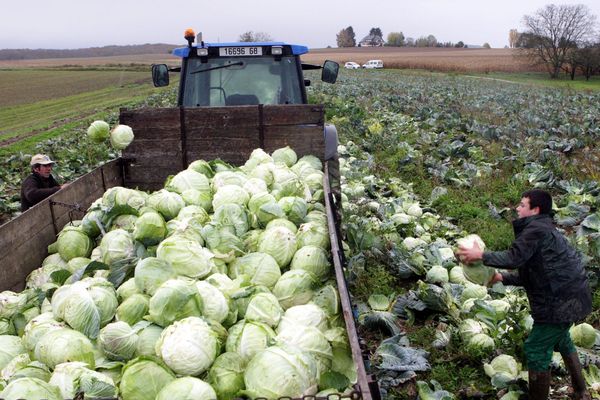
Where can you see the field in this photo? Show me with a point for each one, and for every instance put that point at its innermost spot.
(427, 157)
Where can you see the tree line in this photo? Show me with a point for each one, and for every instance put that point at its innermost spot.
(347, 38)
(560, 38)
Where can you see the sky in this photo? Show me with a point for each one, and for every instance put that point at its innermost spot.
(70, 24)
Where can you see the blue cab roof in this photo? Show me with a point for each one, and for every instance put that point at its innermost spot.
(185, 51)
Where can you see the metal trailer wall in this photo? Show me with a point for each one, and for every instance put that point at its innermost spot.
(24, 240)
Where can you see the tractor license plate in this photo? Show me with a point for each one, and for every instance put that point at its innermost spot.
(240, 51)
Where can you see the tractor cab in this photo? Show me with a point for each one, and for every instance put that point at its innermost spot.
(240, 73)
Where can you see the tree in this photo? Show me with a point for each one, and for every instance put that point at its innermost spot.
(513, 36)
(395, 39)
(410, 42)
(555, 30)
(346, 37)
(251, 36)
(486, 45)
(585, 58)
(460, 44)
(376, 32)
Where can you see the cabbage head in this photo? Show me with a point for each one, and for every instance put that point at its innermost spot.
(175, 299)
(121, 137)
(150, 228)
(469, 328)
(118, 341)
(168, 204)
(63, 345)
(267, 374)
(148, 335)
(248, 338)
(437, 274)
(304, 315)
(187, 388)
(502, 370)
(150, 273)
(38, 327)
(10, 347)
(143, 378)
(312, 259)
(310, 340)
(189, 346)
(313, 234)
(227, 375)
(230, 194)
(473, 291)
(285, 155)
(30, 389)
(133, 309)
(186, 180)
(264, 308)
(215, 305)
(280, 243)
(295, 287)
(260, 268)
(73, 242)
(477, 272)
(73, 377)
(21, 366)
(186, 256)
(583, 335)
(98, 131)
(295, 208)
(117, 246)
(202, 167)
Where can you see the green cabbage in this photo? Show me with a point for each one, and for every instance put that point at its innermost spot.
(187, 388)
(30, 389)
(121, 137)
(143, 378)
(98, 131)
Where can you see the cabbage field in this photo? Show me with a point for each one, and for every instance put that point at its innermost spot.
(426, 161)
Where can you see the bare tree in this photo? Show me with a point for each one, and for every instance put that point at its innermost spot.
(557, 30)
(251, 36)
(513, 36)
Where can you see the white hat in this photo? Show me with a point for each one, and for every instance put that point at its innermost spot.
(41, 159)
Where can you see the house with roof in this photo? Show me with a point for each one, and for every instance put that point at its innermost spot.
(371, 41)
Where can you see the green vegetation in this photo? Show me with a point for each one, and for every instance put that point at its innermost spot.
(542, 79)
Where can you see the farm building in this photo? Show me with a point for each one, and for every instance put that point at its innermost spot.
(371, 41)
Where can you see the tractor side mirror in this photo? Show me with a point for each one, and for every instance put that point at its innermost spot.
(330, 71)
(160, 75)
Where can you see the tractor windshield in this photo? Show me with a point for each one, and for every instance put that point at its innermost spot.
(224, 81)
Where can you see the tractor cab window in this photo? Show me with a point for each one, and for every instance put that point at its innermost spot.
(224, 81)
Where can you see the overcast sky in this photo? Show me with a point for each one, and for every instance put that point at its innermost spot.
(65, 24)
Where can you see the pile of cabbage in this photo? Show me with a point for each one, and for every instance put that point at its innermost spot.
(218, 285)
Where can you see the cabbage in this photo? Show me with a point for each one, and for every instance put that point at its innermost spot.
(310, 340)
(175, 299)
(187, 388)
(230, 194)
(72, 242)
(312, 259)
(456, 275)
(168, 204)
(215, 305)
(200, 198)
(186, 256)
(30, 389)
(118, 196)
(265, 208)
(91, 223)
(295, 287)
(282, 222)
(38, 327)
(223, 242)
(223, 178)
(502, 369)
(133, 309)
(260, 268)
(186, 180)
(21, 366)
(583, 335)
(98, 131)
(74, 377)
(118, 341)
(437, 274)
(227, 375)
(267, 374)
(248, 338)
(328, 299)
(152, 272)
(285, 155)
(254, 186)
(148, 335)
(480, 343)
(295, 208)
(313, 234)
(127, 289)
(469, 328)
(10, 347)
(303, 315)
(280, 243)
(264, 308)
(150, 228)
(63, 345)
(473, 291)
(476, 272)
(121, 136)
(189, 346)
(117, 246)
(144, 378)
(202, 167)
(12, 303)
(123, 221)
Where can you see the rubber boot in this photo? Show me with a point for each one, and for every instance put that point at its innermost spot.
(574, 368)
(539, 385)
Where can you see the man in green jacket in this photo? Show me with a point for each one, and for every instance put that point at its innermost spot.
(556, 283)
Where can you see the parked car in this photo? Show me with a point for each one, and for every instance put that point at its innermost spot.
(373, 64)
(351, 65)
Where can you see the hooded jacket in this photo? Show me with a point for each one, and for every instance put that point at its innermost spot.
(548, 268)
(36, 188)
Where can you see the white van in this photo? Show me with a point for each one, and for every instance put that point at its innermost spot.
(373, 64)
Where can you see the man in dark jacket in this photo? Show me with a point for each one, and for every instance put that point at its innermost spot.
(554, 278)
(40, 184)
